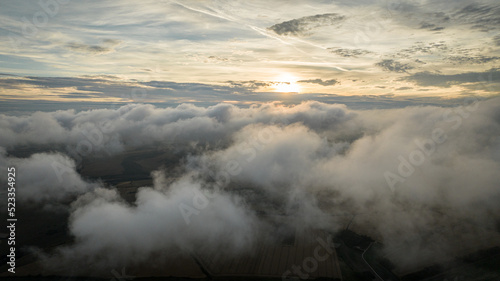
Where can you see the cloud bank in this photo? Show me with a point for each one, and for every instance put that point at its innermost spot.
(422, 180)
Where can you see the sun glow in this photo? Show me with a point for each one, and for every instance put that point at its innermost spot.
(286, 83)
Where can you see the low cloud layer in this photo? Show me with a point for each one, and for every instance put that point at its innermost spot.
(113, 233)
(422, 180)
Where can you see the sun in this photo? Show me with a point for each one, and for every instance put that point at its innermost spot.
(286, 83)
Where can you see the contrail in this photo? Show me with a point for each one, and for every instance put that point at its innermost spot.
(257, 29)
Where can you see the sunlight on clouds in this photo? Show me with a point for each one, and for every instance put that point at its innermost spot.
(366, 48)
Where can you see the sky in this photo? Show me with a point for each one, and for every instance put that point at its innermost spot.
(368, 53)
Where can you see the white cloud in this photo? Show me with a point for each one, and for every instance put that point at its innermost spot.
(45, 178)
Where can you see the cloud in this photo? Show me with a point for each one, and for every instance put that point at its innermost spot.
(111, 233)
(91, 49)
(216, 59)
(473, 59)
(77, 95)
(111, 131)
(487, 79)
(481, 16)
(321, 82)
(107, 47)
(430, 26)
(496, 40)
(292, 163)
(421, 48)
(251, 84)
(47, 178)
(58, 82)
(99, 87)
(302, 26)
(349, 52)
(305, 166)
(104, 91)
(112, 42)
(394, 66)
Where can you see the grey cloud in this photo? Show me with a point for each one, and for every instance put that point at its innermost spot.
(321, 82)
(55, 82)
(251, 84)
(394, 66)
(456, 55)
(486, 80)
(430, 26)
(473, 59)
(108, 86)
(440, 16)
(112, 42)
(216, 59)
(168, 94)
(107, 47)
(77, 95)
(496, 40)
(423, 48)
(301, 26)
(481, 16)
(18, 107)
(478, 16)
(349, 52)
